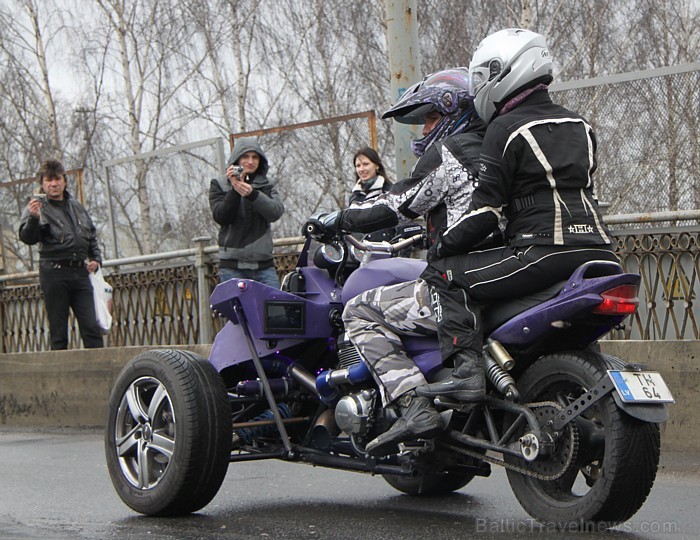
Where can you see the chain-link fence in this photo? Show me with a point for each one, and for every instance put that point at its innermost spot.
(159, 201)
(311, 164)
(646, 124)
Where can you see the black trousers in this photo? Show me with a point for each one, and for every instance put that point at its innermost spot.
(64, 288)
(463, 284)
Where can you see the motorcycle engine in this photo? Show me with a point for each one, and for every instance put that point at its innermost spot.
(352, 412)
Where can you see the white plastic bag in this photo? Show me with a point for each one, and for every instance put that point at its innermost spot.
(102, 292)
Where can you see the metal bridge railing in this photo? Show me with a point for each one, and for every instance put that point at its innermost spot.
(163, 299)
(158, 299)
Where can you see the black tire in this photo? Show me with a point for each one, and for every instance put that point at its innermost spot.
(429, 484)
(168, 434)
(618, 455)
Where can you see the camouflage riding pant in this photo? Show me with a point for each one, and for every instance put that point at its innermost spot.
(375, 321)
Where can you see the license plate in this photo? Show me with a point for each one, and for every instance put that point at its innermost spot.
(641, 386)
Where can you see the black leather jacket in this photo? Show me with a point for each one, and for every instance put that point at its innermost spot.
(60, 237)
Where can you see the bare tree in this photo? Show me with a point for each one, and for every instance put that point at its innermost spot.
(143, 44)
(339, 67)
(225, 37)
(153, 73)
(26, 87)
(31, 124)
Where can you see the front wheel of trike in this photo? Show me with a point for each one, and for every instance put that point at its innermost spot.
(168, 433)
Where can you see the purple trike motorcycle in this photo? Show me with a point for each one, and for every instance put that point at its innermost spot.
(576, 430)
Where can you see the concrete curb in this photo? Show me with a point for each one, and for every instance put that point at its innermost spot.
(63, 388)
(71, 388)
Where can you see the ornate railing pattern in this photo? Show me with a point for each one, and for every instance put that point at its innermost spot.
(155, 306)
(150, 306)
(23, 319)
(669, 263)
(159, 305)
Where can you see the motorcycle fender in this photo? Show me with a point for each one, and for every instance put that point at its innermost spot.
(654, 413)
(230, 347)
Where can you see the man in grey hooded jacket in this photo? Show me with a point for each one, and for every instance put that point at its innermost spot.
(244, 203)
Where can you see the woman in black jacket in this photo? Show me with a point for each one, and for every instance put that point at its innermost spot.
(370, 176)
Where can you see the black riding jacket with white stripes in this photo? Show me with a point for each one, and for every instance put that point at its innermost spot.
(536, 171)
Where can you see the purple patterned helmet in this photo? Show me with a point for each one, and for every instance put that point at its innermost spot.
(446, 92)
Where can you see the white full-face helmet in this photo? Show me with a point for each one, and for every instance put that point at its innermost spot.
(506, 63)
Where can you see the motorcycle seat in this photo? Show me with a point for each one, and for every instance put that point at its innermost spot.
(496, 314)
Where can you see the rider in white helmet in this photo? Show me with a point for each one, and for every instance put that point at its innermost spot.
(536, 168)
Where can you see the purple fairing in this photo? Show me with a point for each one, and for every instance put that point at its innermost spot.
(310, 315)
(579, 296)
(230, 347)
(321, 298)
(381, 272)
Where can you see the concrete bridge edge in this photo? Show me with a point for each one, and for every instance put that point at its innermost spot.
(70, 389)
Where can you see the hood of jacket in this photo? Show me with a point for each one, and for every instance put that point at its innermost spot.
(248, 144)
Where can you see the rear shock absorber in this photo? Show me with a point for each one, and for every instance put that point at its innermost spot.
(263, 424)
(496, 363)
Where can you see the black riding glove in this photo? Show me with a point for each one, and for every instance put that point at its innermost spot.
(323, 227)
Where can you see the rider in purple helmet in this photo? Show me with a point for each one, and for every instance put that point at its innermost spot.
(439, 189)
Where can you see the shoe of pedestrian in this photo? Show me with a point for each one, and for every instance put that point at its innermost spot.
(419, 419)
(467, 382)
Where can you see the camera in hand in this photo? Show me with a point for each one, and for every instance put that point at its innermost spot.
(237, 171)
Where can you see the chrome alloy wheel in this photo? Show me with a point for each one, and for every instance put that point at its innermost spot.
(145, 432)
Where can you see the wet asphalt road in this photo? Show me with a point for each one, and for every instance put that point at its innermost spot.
(55, 485)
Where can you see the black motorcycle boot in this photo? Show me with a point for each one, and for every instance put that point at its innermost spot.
(467, 382)
(418, 419)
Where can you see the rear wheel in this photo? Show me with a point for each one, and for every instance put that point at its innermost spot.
(168, 435)
(617, 456)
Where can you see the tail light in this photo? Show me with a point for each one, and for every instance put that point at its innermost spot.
(621, 300)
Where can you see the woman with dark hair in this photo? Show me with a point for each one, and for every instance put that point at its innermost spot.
(370, 176)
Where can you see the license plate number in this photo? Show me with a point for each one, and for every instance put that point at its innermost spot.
(641, 386)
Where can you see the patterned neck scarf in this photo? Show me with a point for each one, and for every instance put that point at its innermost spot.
(517, 100)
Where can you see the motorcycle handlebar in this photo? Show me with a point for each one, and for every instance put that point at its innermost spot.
(383, 247)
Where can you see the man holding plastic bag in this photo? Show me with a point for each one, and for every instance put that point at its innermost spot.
(68, 255)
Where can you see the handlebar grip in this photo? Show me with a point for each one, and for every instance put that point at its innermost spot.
(311, 228)
(364, 245)
(320, 227)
